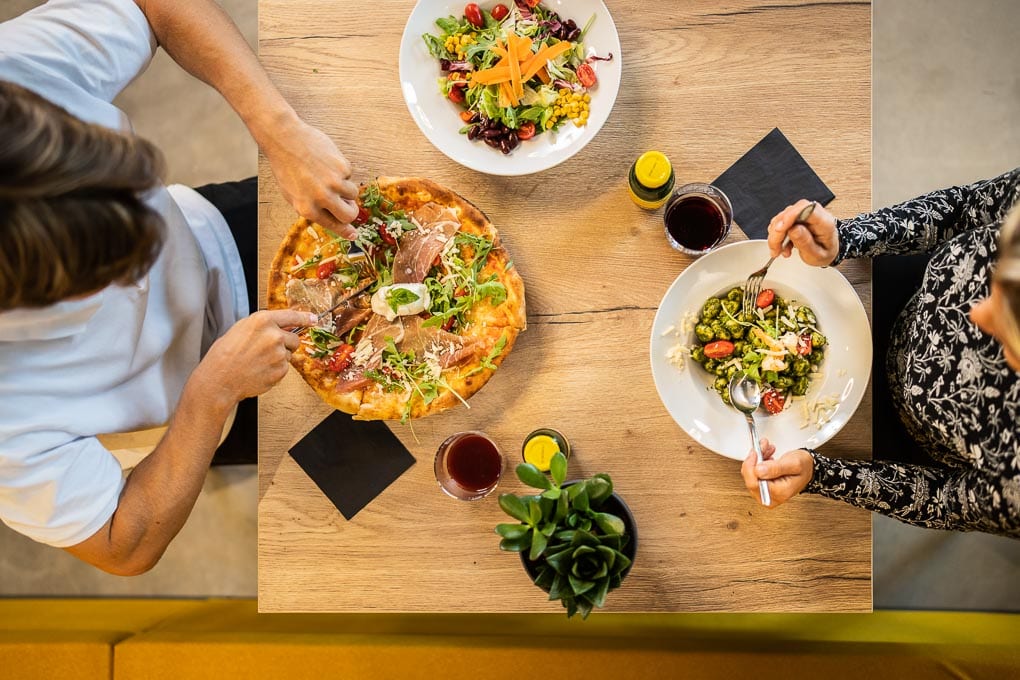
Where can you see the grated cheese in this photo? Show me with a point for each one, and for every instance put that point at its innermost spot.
(311, 232)
(818, 411)
(688, 322)
(669, 330)
(677, 356)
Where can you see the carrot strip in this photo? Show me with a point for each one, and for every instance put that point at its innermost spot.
(514, 64)
(545, 54)
(492, 76)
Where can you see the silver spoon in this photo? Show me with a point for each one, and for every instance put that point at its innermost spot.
(745, 395)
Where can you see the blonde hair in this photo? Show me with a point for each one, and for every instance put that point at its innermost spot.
(71, 218)
(1007, 276)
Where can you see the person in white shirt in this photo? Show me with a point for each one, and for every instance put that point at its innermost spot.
(123, 303)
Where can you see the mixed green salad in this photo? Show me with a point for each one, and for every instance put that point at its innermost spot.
(778, 345)
(515, 71)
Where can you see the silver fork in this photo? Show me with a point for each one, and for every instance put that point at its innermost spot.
(753, 285)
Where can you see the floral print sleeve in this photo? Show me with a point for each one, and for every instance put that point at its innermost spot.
(922, 224)
(937, 498)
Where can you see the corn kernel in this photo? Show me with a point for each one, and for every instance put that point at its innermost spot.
(587, 97)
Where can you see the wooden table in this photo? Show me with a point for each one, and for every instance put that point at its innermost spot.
(703, 81)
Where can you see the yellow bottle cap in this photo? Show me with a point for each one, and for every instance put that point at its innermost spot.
(653, 169)
(539, 451)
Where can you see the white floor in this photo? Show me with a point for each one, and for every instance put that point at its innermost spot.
(946, 110)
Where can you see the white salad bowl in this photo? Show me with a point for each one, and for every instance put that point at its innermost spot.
(438, 119)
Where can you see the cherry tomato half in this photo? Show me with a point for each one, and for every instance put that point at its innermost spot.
(457, 95)
(804, 345)
(586, 74)
(500, 12)
(532, 3)
(526, 130)
(473, 13)
(765, 298)
(773, 401)
(363, 215)
(325, 270)
(719, 349)
(386, 236)
(341, 359)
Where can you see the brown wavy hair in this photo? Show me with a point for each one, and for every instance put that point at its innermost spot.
(1007, 275)
(72, 220)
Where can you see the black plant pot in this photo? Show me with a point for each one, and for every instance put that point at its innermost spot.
(613, 505)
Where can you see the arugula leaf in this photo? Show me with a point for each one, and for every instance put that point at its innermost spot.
(437, 47)
(323, 340)
(489, 359)
(492, 289)
(354, 331)
(397, 297)
(313, 261)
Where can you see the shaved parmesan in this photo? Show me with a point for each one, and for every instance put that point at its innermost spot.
(819, 411)
(363, 352)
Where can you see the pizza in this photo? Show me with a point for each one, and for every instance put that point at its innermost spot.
(416, 313)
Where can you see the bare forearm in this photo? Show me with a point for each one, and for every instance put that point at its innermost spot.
(204, 41)
(161, 491)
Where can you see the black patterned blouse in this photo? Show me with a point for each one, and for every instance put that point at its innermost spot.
(950, 382)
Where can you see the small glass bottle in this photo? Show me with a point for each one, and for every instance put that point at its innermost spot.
(651, 180)
(541, 445)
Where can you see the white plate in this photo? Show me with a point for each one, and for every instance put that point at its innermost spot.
(437, 116)
(687, 392)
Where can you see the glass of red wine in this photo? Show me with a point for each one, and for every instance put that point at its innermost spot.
(698, 218)
(469, 465)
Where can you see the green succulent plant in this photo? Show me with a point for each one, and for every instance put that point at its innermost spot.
(577, 549)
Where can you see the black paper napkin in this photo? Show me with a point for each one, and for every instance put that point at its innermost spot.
(351, 461)
(765, 180)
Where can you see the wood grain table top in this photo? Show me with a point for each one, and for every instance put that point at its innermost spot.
(703, 82)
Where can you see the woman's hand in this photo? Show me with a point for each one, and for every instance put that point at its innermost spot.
(252, 356)
(787, 474)
(817, 241)
(314, 176)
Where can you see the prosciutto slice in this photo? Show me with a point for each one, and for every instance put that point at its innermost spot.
(419, 248)
(348, 316)
(449, 349)
(374, 337)
(313, 295)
